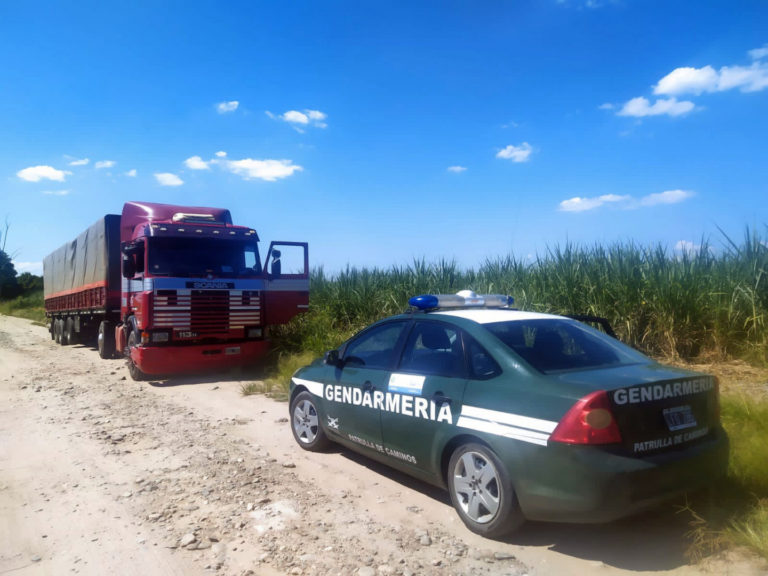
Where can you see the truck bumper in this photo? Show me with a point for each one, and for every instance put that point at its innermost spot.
(197, 358)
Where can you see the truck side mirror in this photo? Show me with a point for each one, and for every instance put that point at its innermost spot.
(129, 268)
(275, 268)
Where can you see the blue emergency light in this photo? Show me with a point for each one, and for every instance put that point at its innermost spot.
(463, 299)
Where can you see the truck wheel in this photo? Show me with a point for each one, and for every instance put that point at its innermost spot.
(482, 492)
(52, 329)
(55, 333)
(106, 339)
(133, 370)
(70, 336)
(60, 331)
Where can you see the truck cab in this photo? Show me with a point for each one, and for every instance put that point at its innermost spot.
(195, 292)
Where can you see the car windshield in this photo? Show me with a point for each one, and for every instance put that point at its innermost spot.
(553, 345)
(202, 257)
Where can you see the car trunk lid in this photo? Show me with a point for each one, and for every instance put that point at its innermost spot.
(656, 408)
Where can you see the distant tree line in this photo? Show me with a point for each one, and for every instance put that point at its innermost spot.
(13, 285)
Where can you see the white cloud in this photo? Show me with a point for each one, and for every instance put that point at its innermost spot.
(168, 179)
(221, 154)
(301, 119)
(225, 107)
(687, 246)
(269, 170)
(687, 81)
(666, 197)
(81, 162)
(104, 164)
(196, 163)
(759, 53)
(578, 204)
(56, 192)
(516, 153)
(640, 107)
(606, 106)
(295, 117)
(457, 169)
(698, 80)
(37, 173)
(751, 79)
(625, 202)
(317, 117)
(131, 173)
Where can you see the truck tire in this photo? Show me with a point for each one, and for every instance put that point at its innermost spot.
(106, 339)
(70, 336)
(52, 329)
(133, 370)
(58, 329)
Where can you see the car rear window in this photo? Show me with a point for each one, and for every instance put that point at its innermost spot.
(553, 345)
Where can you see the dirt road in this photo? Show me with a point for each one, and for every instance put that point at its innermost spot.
(103, 475)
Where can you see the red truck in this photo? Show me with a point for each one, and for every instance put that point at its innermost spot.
(175, 289)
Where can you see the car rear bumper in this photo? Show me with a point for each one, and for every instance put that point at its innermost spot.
(197, 358)
(598, 486)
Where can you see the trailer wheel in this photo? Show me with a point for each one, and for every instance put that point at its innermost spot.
(106, 340)
(70, 336)
(52, 329)
(133, 370)
(57, 330)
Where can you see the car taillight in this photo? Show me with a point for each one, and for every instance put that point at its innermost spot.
(589, 421)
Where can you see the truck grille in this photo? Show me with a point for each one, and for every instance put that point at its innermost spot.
(207, 311)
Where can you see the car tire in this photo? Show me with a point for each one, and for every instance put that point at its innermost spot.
(133, 370)
(482, 492)
(305, 423)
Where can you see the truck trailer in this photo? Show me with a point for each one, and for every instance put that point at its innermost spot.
(174, 289)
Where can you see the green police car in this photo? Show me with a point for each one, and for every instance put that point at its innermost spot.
(519, 415)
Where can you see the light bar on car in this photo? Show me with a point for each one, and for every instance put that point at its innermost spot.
(463, 299)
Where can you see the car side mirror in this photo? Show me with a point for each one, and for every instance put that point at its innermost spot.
(331, 358)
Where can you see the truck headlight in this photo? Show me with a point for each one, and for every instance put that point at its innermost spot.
(160, 337)
(254, 332)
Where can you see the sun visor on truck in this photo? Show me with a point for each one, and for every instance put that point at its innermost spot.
(137, 213)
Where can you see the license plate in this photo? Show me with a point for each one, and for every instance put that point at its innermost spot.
(679, 418)
(232, 351)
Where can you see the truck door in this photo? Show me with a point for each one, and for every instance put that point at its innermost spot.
(286, 291)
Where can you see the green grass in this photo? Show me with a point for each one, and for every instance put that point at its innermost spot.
(735, 512)
(29, 306)
(704, 303)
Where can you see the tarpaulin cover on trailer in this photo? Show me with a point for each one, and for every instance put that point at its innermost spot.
(92, 258)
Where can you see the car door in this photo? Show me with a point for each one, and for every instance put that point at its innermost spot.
(424, 394)
(354, 400)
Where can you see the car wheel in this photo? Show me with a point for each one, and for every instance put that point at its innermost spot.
(482, 492)
(305, 423)
(133, 370)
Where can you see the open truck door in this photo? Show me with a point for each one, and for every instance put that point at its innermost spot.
(286, 291)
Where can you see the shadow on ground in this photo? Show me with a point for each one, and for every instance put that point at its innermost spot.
(654, 541)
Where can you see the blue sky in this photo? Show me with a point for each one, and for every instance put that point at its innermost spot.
(384, 132)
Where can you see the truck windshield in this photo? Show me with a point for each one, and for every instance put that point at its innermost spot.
(202, 257)
(553, 345)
